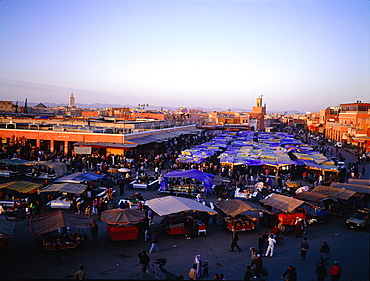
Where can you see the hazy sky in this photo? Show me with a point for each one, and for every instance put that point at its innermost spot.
(303, 55)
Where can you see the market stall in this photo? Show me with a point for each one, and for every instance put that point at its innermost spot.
(123, 223)
(80, 177)
(319, 206)
(173, 207)
(58, 225)
(135, 201)
(47, 170)
(288, 210)
(67, 191)
(344, 198)
(236, 214)
(187, 182)
(13, 167)
(6, 230)
(12, 192)
(359, 181)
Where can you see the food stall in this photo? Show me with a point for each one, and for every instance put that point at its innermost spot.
(80, 177)
(48, 170)
(135, 201)
(123, 223)
(344, 198)
(173, 207)
(6, 230)
(288, 210)
(188, 182)
(67, 190)
(236, 214)
(16, 191)
(318, 205)
(13, 167)
(58, 225)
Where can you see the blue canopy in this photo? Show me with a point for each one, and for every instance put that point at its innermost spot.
(80, 177)
(194, 174)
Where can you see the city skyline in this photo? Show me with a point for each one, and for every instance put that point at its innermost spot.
(301, 55)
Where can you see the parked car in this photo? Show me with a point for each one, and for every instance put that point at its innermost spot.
(360, 219)
(339, 144)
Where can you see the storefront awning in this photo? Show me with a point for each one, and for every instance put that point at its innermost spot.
(21, 186)
(106, 144)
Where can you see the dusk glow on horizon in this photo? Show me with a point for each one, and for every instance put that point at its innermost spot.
(300, 55)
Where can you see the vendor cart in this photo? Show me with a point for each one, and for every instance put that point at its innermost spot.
(241, 223)
(123, 223)
(122, 233)
(176, 225)
(240, 215)
(175, 211)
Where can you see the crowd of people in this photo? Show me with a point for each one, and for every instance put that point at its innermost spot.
(167, 160)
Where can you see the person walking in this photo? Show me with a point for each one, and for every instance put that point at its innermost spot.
(155, 241)
(94, 232)
(335, 272)
(205, 269)
(80, 274)
(304, 248)
(265, 238)
(198, 263)
(248, 274)
(144, 261)
(324, 250)
(121, 187)
(271, 246)
(193, 272)
(234, 241)
(254, 253)
(88, 211)
(258, 269)
(291, 272)
(58, 254)
(321, 271)
(261, 242)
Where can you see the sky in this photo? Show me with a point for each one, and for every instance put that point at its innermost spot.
(299, 55)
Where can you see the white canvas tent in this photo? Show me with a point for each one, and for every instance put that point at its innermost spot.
(171, 204)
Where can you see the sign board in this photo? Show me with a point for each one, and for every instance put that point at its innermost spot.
(82, 150)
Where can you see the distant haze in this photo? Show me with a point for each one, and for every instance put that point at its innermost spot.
(300, 55)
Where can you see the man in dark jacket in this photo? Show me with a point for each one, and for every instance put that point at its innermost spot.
(321, 271)
(144, 261)
(292, 275)
(234, 241)
(258, 265)
(304, 248)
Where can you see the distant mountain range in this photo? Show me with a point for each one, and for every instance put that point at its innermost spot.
(106, 105)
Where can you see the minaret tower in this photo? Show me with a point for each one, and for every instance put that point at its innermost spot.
(71, 100)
